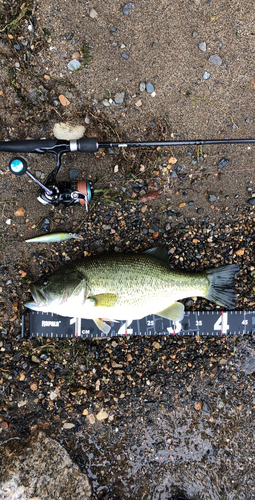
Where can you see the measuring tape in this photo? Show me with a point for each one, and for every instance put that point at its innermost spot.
(205, 323)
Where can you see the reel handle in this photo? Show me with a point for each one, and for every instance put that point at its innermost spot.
(18, 166)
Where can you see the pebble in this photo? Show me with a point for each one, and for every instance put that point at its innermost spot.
(105, 103)
(33, 95)
(202, 46)
(127, 7)
(142, 86)
(68, 425)
(206, 75)
(125, 56)
(35, 359)
(91, 418)
(149, 87)
(252, 200)
(45, 225)
(223, 162)
(212, 197)
(215, 59)
(119, 97)
(53, 395)
(93, 14)
(74, 65)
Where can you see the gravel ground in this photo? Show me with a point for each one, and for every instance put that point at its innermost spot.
(144, 418)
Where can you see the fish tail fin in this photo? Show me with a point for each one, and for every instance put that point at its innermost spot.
(220, 288)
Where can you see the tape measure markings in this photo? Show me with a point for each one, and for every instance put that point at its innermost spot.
(203, 323)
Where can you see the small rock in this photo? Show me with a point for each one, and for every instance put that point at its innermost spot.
(102, 415)
(212, 197)
(63, 99)
(8, 222)
(119, 97)
(69, 36)
(149, 87)
(127, 7)
(35, 359)
(157, 345)
(202, 46)
(68, 131)
(215, 59)
(33, 386)
(22, 403)
(198, 405)
(142, 86)
(93, 14)
(68, 425)
(45, 225)
(138, 104)
(206, 75)
(125, 56)
(53, 395)
(105, 103)
(223, 162)
(74, 65)
(33, 95)
(91, 419)
(20, 212)
(220, 404)
(252, 200)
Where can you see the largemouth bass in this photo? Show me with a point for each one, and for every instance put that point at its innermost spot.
(129, 286)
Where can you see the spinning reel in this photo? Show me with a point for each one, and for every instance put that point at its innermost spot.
(52, 191)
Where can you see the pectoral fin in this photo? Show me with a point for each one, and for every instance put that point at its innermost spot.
(103, 300)
(175, 312)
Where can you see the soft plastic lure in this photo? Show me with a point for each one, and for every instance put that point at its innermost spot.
(51, 237)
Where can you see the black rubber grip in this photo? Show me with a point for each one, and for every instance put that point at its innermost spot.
(88, 145)
(27, 146)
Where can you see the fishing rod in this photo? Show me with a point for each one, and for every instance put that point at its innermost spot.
(54, 192)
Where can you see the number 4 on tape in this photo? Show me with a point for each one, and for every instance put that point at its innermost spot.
(222, 323)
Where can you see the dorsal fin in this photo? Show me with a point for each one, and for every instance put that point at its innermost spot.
(159, 253)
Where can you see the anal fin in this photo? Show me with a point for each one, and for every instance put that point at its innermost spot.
(175, 312)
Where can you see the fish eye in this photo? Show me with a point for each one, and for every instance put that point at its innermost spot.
(45, 282)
